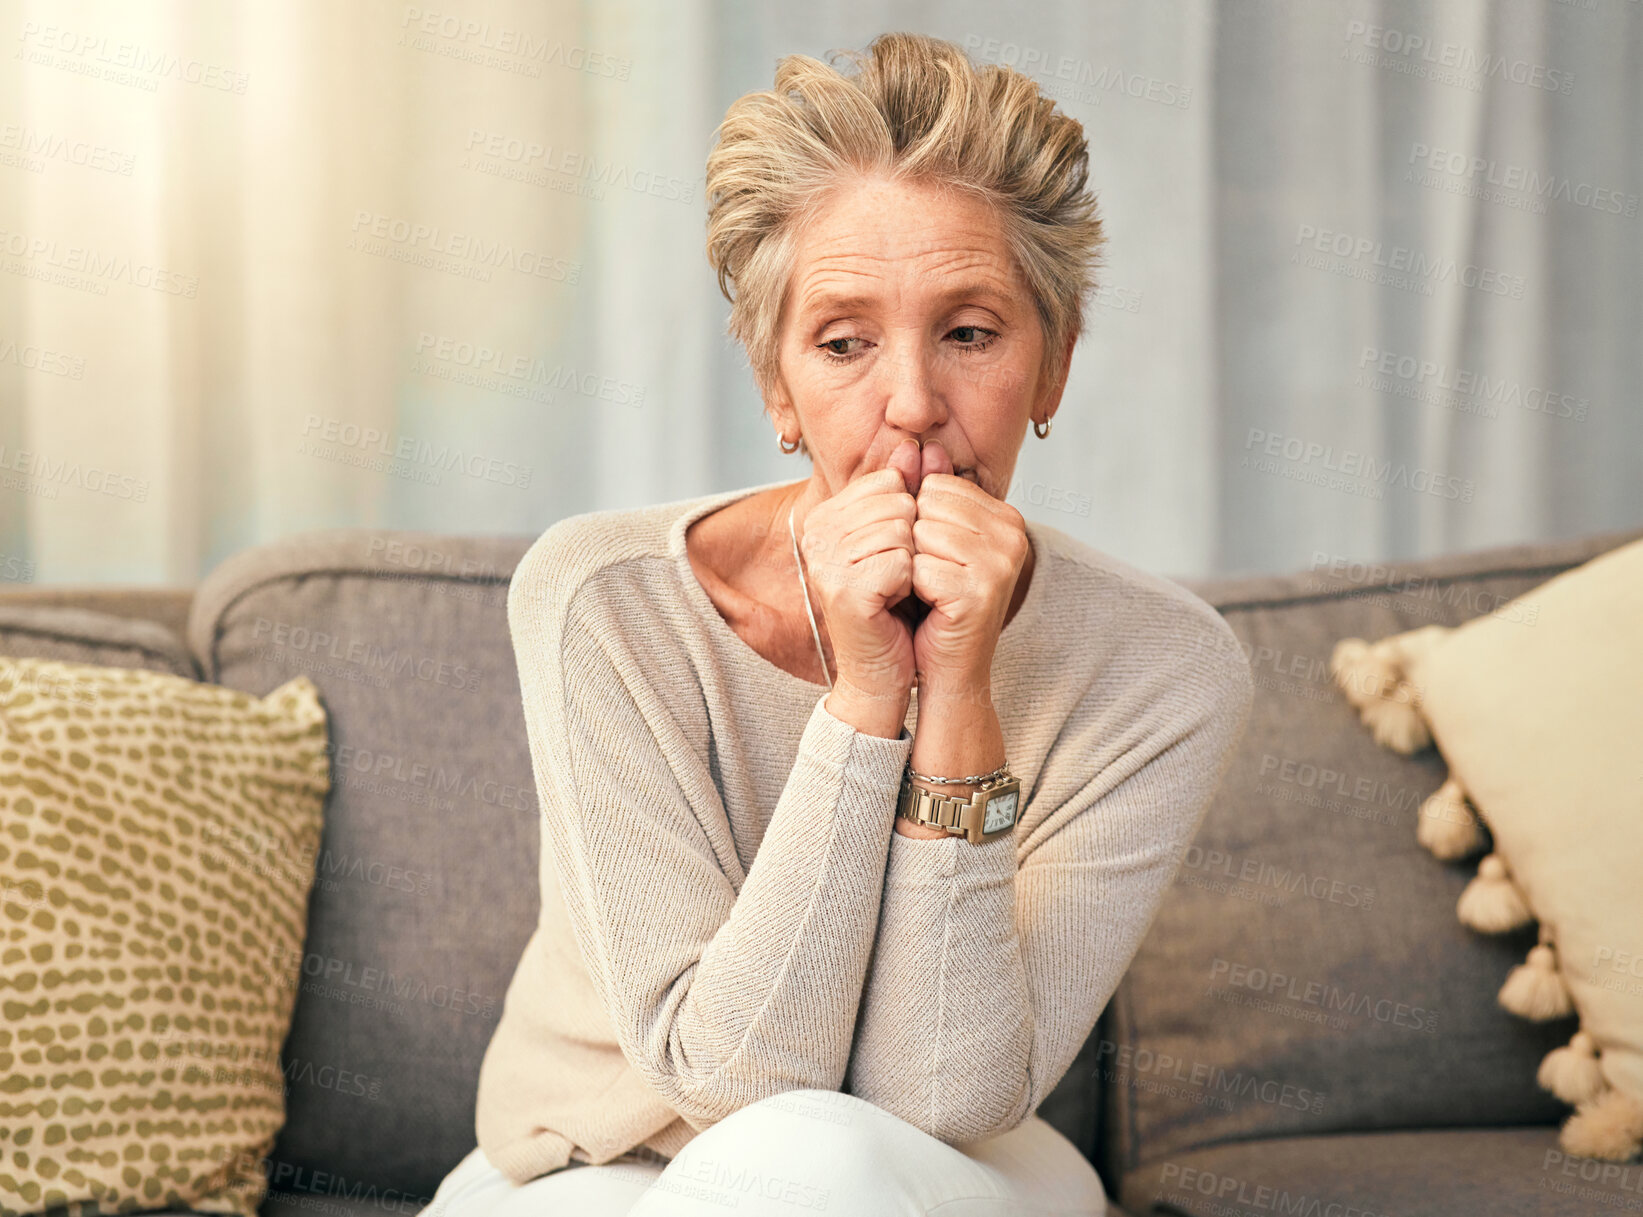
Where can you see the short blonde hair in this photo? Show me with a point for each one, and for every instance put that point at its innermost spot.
(917, 110)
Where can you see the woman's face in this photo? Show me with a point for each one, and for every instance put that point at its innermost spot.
(906, 318)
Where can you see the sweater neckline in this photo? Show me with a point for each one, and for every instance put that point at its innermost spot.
(1015, 634)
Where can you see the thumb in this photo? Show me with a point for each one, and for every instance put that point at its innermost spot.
(935, 459)
(905, 461)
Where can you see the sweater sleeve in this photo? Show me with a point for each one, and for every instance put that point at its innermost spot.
(718, 998)
(993, 961)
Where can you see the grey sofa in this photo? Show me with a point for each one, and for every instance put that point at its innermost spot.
(1306, 1028)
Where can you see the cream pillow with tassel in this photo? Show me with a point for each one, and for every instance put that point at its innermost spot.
(1537, 709)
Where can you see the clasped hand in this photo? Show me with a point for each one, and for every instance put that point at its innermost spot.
(914, 529)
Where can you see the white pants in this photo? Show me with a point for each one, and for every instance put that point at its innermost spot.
(803, 1151)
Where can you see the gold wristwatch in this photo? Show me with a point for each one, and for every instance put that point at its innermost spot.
(983, 815)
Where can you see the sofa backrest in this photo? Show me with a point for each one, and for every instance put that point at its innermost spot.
(166, 607)
(425, 887)
(1306, 973)
(80, 626)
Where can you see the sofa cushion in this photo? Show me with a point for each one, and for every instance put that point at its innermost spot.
(426, 880)
(1305, 973)
(77, 635)
(1505, 1172)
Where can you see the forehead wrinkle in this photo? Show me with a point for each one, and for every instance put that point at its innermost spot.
(870, 243)
(840, 278)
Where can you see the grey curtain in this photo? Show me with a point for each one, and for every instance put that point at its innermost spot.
(1372, 283)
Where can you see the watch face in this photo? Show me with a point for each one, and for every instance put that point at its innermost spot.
(1000, 812)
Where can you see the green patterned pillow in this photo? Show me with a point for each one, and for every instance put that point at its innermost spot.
(157, 842)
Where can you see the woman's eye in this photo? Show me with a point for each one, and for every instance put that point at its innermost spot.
(968, 335)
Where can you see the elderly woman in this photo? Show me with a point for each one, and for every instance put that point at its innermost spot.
(858, 791)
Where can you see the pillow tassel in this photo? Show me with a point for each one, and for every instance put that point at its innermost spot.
(1572, 1072)
(1447, 826)
(1371, 676)
(1491, 903)
(1535, 990)
(1609, 1126)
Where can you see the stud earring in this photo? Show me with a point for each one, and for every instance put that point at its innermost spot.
(1046, 431)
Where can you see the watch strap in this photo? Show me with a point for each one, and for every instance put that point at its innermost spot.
(959, 815)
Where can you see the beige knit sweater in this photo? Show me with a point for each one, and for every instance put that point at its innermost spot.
(726, 910)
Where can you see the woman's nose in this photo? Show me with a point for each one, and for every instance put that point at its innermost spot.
(913, 401)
